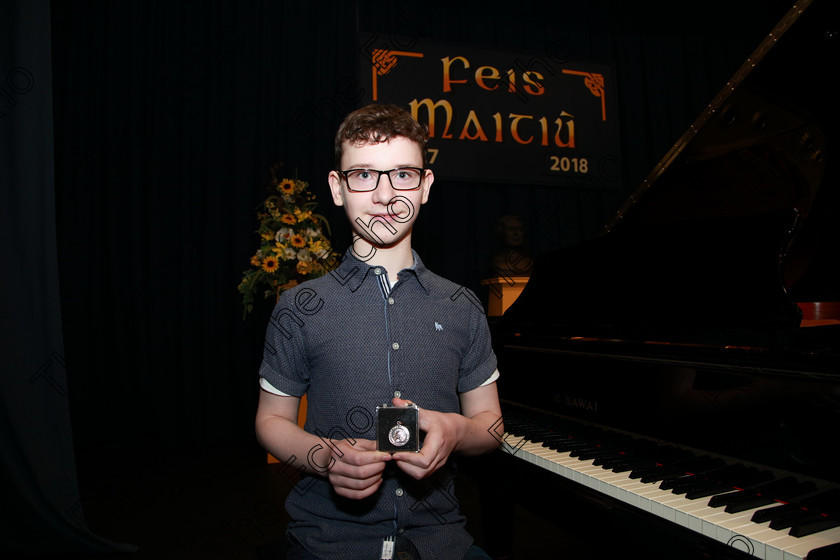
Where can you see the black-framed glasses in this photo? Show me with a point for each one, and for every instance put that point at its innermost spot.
(366, 180)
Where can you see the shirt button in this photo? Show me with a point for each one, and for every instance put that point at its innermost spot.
(400, 531)
(399, 492)
(397, 394)
(395, 345)
(391, 301)
(377, 271)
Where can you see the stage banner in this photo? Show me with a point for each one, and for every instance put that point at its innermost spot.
(501, 116)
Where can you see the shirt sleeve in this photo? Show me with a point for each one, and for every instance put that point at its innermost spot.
(492, 378)
(266, 386)
(285, 366)
(479, 363)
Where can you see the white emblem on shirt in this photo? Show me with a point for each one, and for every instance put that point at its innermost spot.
(438, 326)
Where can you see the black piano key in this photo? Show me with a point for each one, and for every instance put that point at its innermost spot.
(820, 501)
(584, 447)
(706, 490)
(555, 440)
(631, 463)
(604, 458)
(599, 448)
(566, 445)
(635, 452)
(535, 434)
(763, 489)
(663, 477)
(751, 501)
(623, 457)
(658, 455)
(821, 523)
(738, 496)
(676, 484)
(701, 476)
(727, 483)
(695, 463)
(758, 499)
(626, 463)
(642, 473)
(689, 468)
(666, 467)
(768, 514)
(788, 520)
(830, 552)
(597, 454)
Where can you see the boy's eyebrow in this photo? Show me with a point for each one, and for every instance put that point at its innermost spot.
(370, 166)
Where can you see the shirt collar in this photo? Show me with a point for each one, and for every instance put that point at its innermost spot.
(352, 271)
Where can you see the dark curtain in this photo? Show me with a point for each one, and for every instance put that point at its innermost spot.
(163, 119)
(41, 506)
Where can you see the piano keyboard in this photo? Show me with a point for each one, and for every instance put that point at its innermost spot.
(747, 508)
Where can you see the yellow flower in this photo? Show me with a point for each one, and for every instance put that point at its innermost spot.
(286, 186)
(317, 246)
(289, 239)
(270, 264)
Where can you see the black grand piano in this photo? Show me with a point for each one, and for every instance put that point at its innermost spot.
(674, 384)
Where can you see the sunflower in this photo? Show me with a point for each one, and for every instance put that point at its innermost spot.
(286, 186)
(290, 229)
(270, 264)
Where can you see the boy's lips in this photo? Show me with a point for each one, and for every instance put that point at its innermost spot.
(386, 216)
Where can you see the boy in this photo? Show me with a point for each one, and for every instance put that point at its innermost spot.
(379, 329)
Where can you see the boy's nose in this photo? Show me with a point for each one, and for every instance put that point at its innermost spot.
(385, 191)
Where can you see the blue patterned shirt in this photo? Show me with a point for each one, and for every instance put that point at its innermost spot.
(350, 341)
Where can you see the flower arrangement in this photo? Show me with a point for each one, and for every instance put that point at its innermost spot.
(293, 244)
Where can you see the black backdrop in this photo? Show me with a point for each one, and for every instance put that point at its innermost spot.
(166, 117)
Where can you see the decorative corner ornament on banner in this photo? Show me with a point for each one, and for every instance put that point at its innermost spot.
(595, 83)
(501, 117)
(383, 61)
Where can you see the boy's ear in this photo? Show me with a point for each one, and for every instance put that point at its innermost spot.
(334, 180)
(428, 179)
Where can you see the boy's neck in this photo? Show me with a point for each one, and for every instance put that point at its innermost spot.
(392, 258)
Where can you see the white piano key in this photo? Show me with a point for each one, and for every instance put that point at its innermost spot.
(798, 547)
(736, 530)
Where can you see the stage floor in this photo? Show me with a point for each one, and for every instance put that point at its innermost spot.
(226, 502)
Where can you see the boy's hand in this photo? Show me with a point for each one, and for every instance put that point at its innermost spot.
(357, 469)
(442, 436)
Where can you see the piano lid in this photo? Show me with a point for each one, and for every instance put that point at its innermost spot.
(732, 227)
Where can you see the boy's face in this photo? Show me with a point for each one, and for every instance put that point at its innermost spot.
(384, 217)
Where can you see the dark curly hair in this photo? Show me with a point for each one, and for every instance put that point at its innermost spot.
(379, 123)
